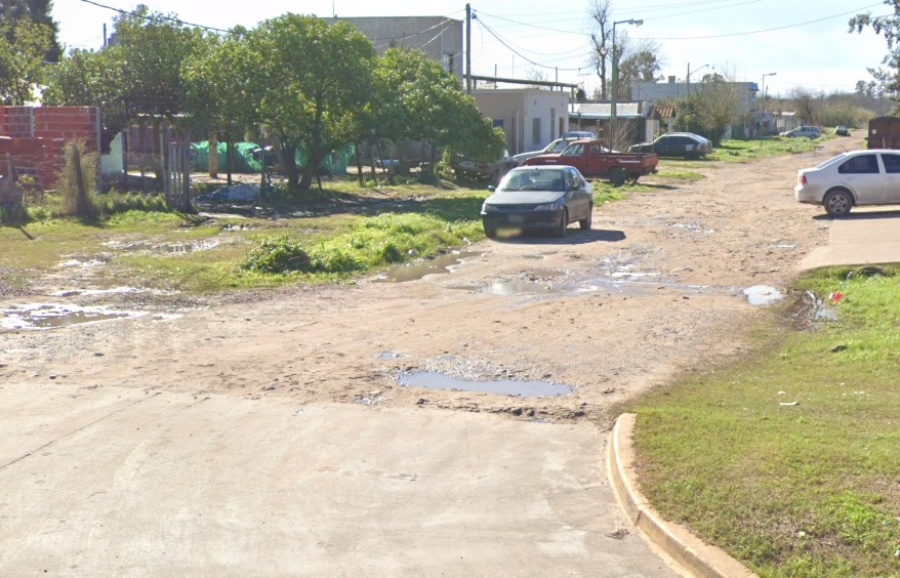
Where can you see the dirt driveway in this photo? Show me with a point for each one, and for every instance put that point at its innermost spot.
(170, 443)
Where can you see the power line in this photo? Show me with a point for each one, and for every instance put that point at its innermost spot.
(151, 17)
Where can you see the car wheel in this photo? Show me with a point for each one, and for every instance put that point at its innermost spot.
(617, 177)
(838, 202)
(490, 231)
(563, 225)
(585, 223)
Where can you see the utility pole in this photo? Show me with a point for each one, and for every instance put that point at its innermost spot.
(468, 49)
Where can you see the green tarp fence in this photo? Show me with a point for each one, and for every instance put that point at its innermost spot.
(244, 161)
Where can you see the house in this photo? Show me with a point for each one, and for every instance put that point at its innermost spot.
(633, 122)
(748, 115)
(438, 37)
(530, 117)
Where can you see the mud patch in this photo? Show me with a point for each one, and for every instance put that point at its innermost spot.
(43, 316)
(419, 269)
(762, 295)
(439, 381)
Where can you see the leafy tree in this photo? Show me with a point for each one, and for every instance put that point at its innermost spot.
(807, 105)
(316, 79)
(641, 64)
(712, 108)
(888, 75)
(89, 78)
(38, 11)
(139, 77)
(220, 93)
(23, 44)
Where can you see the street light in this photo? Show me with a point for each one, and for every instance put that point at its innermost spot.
(765, 100)
(615, 74)
(690, 72)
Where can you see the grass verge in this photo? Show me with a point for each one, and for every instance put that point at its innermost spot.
(788, 458)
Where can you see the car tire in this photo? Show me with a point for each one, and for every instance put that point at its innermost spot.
(490, 231)
(617, 177)
(585, 223)
(838, 202)
(563, 225)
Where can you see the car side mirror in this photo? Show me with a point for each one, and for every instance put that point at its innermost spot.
(492, 188)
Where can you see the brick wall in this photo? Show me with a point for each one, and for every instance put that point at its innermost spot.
(35, 137)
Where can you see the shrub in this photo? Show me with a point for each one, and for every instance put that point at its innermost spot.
(277, 256)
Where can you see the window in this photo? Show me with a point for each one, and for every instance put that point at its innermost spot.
(891, 163)
(536, 131)
(574, 150)
(863, 164)
(498, 123)
(448, 62)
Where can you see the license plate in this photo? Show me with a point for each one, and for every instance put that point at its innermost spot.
(515, 219)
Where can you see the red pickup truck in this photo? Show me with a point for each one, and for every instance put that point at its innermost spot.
(593, 159)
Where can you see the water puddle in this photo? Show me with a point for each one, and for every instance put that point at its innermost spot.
(39, 316)
(434, 380)
(148, 247)
(762, 295)
(419, 269)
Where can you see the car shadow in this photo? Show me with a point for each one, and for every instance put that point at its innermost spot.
(868, 215)
(573, 237)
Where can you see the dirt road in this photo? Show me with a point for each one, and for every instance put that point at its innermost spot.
(186, 425)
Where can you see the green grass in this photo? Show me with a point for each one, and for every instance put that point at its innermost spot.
(810, 490)
(742, 151)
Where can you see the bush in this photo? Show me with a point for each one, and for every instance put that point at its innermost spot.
(277, 256)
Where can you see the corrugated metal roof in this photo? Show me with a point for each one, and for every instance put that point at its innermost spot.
(602, 110)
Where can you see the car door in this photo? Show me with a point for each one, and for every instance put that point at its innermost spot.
(595, 161)
(578, 200)
(890, 193)
(862, 175)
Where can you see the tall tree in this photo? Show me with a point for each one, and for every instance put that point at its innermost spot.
(640, 64)
(39, 11)
(23, 45)
(600, 41)
(316, 80)
(888, 75)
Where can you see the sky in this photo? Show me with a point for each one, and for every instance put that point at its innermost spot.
(782, 45)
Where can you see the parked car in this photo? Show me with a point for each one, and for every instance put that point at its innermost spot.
(555, 147)
(803, 132)
(539, 198)
(481, 170)
(861, 177)
(841, 130)
(578, 134)
(676, 144)
(593, 159)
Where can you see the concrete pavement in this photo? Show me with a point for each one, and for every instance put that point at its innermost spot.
(869, 235)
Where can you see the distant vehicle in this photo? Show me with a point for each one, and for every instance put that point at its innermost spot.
(578, 134)
(861, 177)
(676, 144)
(841, 130)
(803, 132)
(555, 147)
(492, 171)
(884, 133)
(593, 159)
(539, 198)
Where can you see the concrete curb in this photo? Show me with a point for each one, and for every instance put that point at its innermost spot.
(687, 551)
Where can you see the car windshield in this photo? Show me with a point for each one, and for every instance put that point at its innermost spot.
(832, 160)
(533, 180)
(574, 150)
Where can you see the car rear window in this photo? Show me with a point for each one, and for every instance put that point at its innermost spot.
(862, 164)
(891, 163)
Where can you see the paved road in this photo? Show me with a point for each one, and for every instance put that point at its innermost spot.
(868, 235)
(124, 482)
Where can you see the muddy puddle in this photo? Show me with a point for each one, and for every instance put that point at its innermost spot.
(42, 316)
(418, 269)
(762, 295)
(439, 381)
(164, 248)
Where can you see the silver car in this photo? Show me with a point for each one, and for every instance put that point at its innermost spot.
(803, 132)
(862, 177)
(539, 198)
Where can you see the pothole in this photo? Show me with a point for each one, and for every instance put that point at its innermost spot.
(439, 381)
(42, 316)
